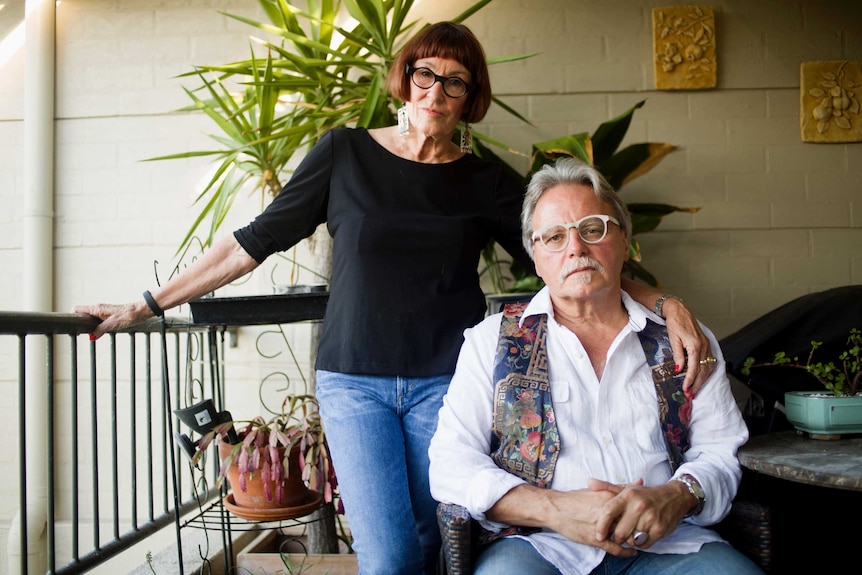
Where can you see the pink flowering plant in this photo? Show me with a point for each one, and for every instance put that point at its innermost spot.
(264, 447)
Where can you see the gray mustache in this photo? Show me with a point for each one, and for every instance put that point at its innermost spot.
(581, 262)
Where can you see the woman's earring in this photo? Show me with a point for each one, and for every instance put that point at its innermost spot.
(467, 139)
(403, 121)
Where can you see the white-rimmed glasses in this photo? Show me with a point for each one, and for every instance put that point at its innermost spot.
(591, 230)
(424, 78)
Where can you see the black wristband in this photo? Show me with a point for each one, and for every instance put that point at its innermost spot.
(154, 307)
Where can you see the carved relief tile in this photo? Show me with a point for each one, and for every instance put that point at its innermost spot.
(684, 47)
(829, 101)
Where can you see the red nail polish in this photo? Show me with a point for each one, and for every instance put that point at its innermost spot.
(676, 368)
(92, 337)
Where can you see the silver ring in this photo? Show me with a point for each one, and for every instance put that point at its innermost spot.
(709, 360)
(639, 538)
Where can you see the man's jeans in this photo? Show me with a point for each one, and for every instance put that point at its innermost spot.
(513, 556)
(379, 429)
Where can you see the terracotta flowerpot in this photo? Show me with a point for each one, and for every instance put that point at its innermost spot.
(295, 495)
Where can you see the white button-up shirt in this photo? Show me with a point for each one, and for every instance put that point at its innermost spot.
(608, 429)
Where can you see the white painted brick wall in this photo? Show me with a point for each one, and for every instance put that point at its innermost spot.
(779, 218)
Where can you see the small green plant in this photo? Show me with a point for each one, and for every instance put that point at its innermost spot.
(292, 567)
(841, 377)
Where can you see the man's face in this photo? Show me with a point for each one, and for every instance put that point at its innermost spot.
(581, 268)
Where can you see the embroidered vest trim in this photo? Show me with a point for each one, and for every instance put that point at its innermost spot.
(674, 408)
(524, 440)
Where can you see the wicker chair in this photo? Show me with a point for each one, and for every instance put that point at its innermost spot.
(748, 528)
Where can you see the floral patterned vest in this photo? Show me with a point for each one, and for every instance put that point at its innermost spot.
(524, 440)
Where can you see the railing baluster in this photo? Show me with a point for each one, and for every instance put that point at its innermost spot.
(151, 497)
(22, 448)
(52, 515)
(133, 428)
(73, 436)
(94, 441)
(115, 466)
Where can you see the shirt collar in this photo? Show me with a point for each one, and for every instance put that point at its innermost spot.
(638, 314)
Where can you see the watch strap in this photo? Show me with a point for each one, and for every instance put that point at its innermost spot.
(694, 487)
(659, 304)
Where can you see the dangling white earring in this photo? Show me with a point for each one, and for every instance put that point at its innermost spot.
(467, 139)
(403, 121)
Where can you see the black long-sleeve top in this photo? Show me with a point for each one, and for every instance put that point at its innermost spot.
(407, 238)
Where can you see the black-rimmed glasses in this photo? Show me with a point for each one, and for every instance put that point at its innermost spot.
(424, 78)
(591, 230)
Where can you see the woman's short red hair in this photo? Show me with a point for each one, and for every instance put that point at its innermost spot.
(452, 41)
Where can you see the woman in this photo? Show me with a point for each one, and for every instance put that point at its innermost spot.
(409, 212)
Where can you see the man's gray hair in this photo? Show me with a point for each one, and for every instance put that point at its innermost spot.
(563, 172)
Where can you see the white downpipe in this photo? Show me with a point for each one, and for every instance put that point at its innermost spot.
(38, 278)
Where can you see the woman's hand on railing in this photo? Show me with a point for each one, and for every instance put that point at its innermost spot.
(115, 317)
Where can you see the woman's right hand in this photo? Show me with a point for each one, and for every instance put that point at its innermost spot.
(115, 317)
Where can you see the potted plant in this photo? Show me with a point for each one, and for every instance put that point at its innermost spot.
(277, 468)
(837, 408)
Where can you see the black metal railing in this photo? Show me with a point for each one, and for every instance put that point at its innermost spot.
(97, 469)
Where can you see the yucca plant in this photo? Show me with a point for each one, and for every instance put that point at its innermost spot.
(315, 76)
(601, 149)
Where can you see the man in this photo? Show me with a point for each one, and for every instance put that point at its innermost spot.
(566, 432)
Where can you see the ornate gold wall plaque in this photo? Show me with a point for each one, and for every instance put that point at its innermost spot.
(829, 101)
(684, 46)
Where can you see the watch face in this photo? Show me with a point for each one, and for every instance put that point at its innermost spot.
(693, 486)
(695, 489)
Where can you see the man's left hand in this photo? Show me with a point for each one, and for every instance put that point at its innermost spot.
(655, 511)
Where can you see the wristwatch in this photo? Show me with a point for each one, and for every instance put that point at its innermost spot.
(696, 490)
(659, 304)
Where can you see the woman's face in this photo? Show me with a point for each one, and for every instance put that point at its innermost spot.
(431, 111)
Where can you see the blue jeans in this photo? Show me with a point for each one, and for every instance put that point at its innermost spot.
(511, 556)
(379, 429)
